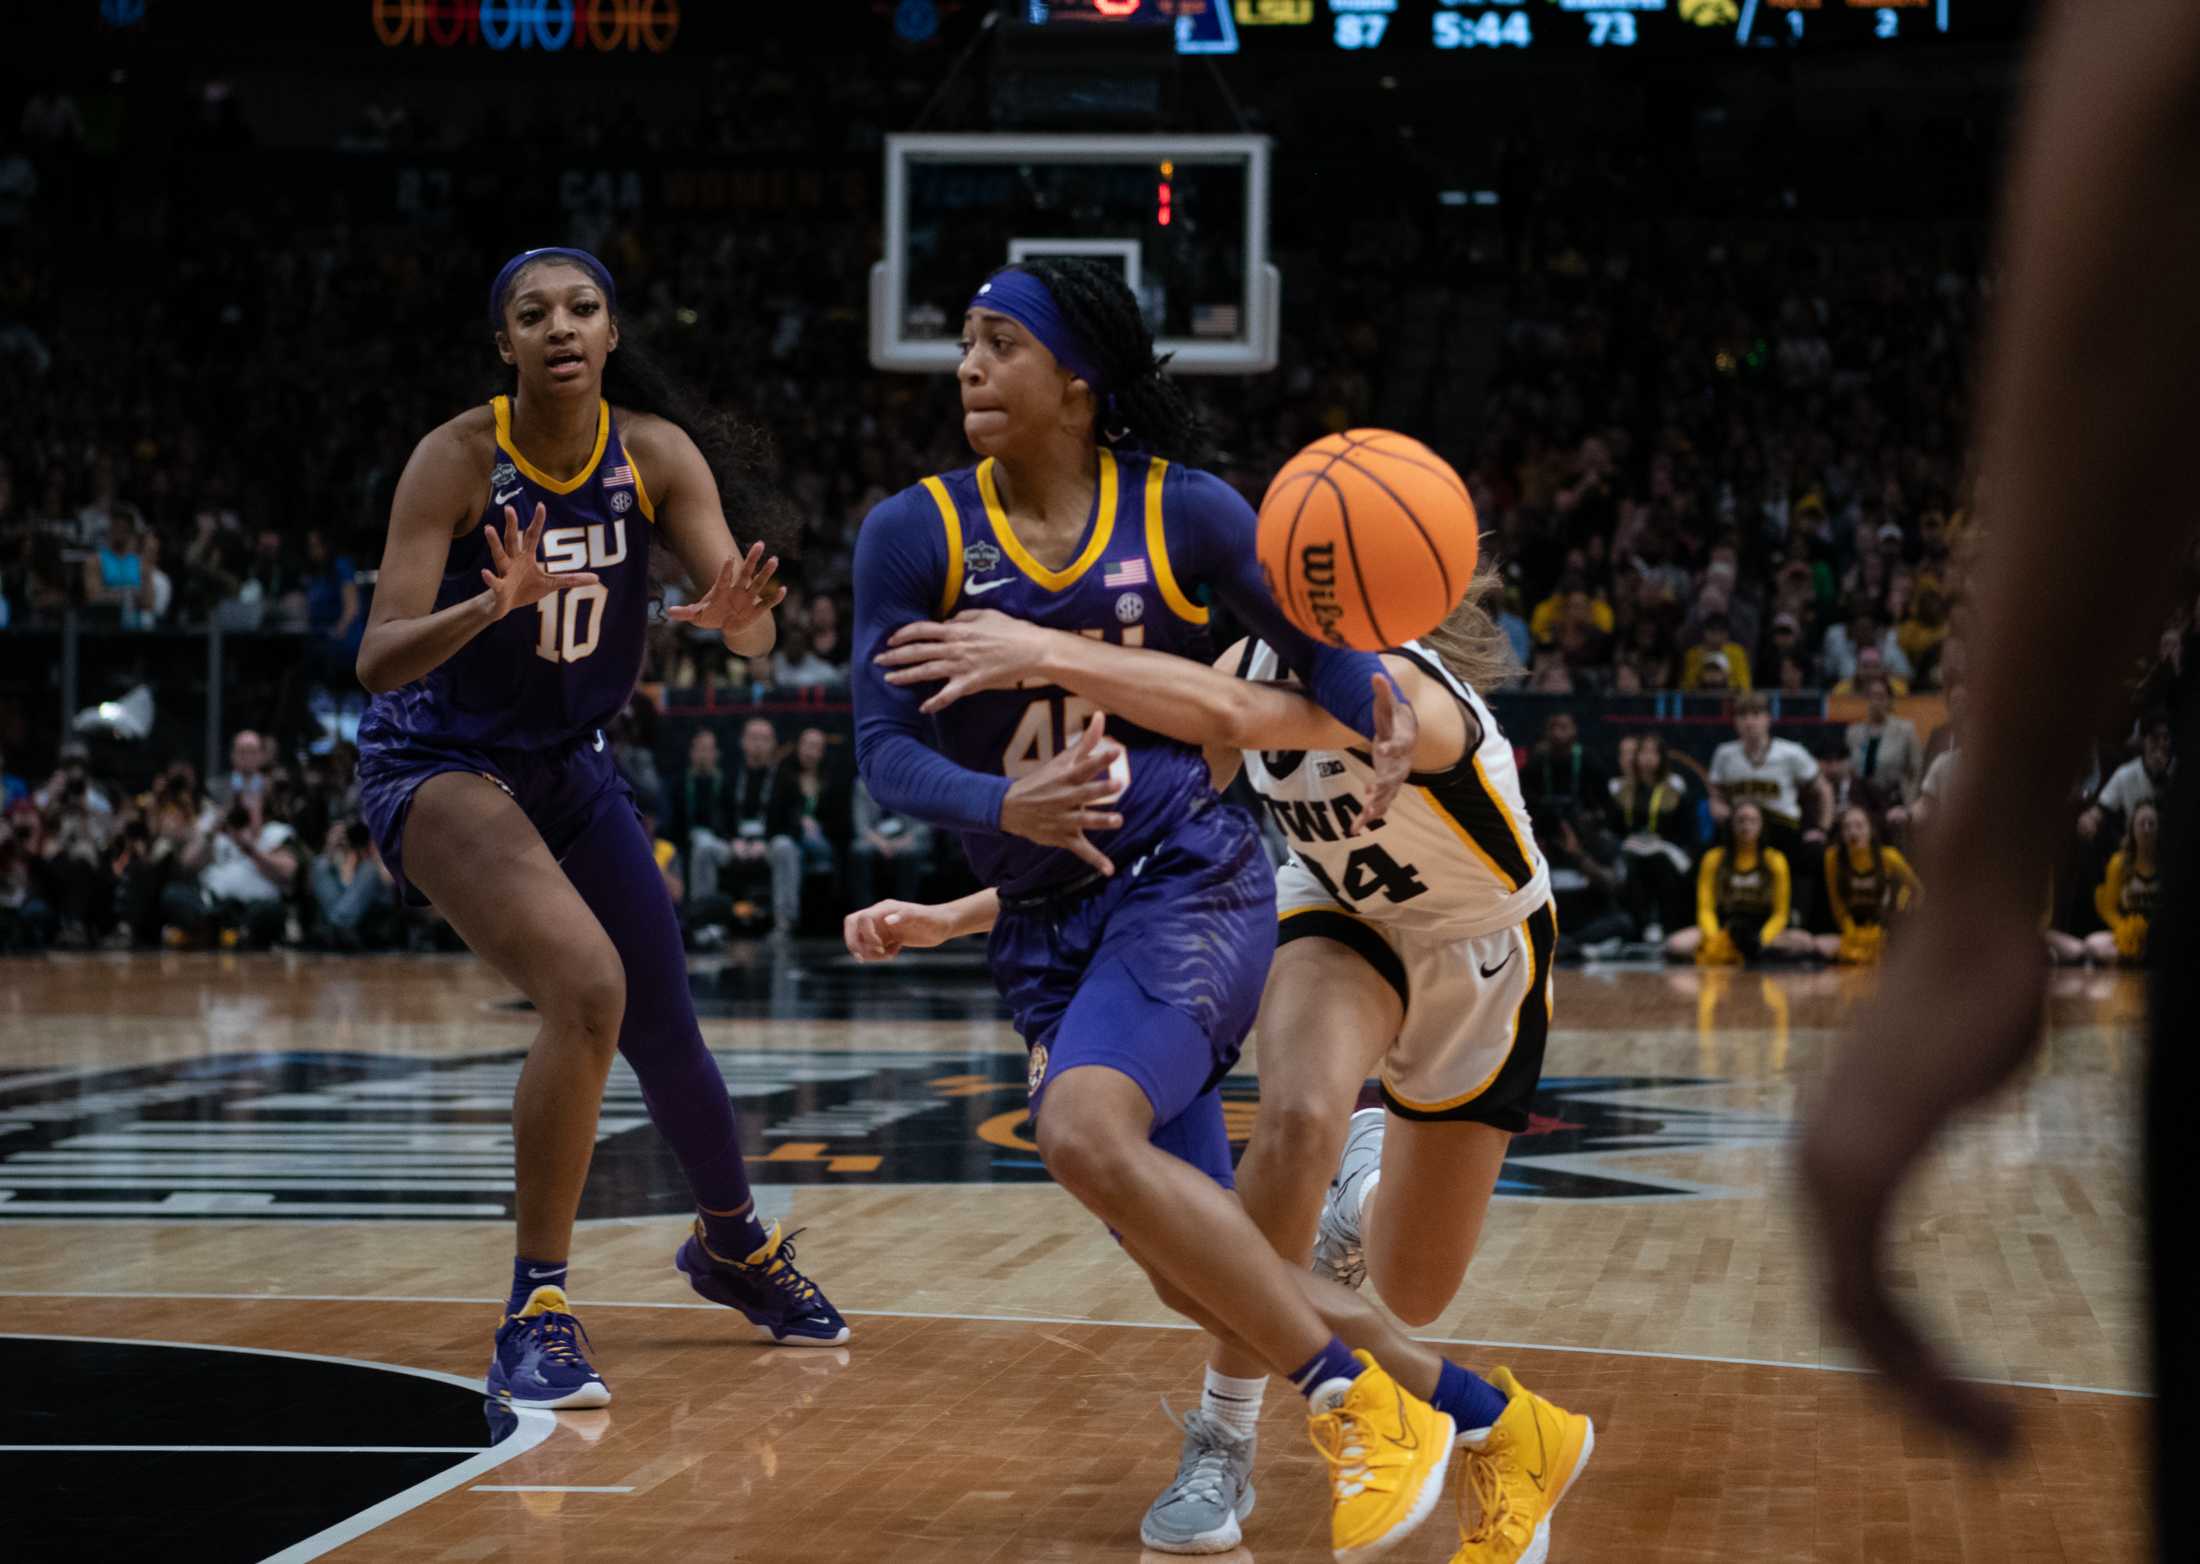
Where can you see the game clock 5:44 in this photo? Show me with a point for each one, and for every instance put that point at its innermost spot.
(1482, 27)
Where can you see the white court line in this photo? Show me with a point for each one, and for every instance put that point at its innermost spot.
(533, 1428)
(248, 1449)
(1065, 1319)
(540, 1488)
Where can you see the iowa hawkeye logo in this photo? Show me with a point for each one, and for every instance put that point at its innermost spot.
(296, 1135)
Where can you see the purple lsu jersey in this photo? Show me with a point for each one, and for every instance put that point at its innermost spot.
(1118, 586)
(545, 675)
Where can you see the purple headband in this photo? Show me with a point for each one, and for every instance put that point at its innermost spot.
(554, 252)
(1025, 300)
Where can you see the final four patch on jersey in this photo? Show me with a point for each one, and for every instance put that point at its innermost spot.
(1035, 1073)
(501, 474)
(980, 557)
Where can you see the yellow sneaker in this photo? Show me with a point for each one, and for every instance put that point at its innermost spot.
(1388, 1452)
(1516, 1479)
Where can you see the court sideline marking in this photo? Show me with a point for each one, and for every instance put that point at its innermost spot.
(1041, 1319)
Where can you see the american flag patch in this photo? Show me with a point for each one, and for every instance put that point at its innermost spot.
(621, 476)
(1130, 573)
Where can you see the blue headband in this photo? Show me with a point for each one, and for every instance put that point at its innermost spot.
(554, 252)
(1025, 300)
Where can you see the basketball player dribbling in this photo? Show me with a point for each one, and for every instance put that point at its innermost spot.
(1133, 971)
(2084, 479)
(1422, 946)
(495, 658)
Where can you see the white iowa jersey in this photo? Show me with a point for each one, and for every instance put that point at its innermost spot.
(1455, 856)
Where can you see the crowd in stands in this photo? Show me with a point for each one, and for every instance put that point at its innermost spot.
(1716, 457)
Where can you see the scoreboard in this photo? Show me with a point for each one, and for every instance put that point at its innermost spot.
(1438, 27)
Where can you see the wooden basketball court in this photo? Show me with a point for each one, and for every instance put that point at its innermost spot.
(309, 1158)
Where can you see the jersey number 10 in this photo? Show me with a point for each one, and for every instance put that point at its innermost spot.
(572, 622)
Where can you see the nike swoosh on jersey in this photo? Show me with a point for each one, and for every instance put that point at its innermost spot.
(1490, 972)
(599, 741)
(980, 588)
(505, 498)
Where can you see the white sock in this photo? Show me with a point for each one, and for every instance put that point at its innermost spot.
(1234, 1403)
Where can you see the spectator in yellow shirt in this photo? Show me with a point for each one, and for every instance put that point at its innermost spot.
(1718, 641)
(1543, 623)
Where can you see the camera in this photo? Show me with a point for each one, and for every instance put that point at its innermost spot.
(357, 837)
(239, 818)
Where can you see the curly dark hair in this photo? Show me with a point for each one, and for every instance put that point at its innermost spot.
(1142, 408)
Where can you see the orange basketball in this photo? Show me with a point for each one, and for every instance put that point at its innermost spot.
(1367, 539)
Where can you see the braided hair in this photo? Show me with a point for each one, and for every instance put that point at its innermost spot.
(737, 452)
(1141, 408)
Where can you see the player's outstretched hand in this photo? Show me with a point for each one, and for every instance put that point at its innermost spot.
(518, 581)
(885, 929)
(978, 649)
(1397, 734)
(1067, 796)
(1957, 1012)
(742, 593)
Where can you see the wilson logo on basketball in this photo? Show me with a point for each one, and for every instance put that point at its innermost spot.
(1318, 570)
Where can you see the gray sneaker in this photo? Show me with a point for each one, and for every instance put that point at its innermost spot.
(1337, 1240)
(1213, 1491)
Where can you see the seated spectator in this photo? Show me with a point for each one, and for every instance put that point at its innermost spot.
(1837, 657)
(1586, 884)
(1885, 757)
(1871, 665)
(2140, 780)
(2127, 894)
(695, 818)
(1543, 623)
(1743, 891)
(1717, 642)
(244, 868)
(1943, 738)
(353, 892)
(114, 579)
(884, 845)
(751, 809)
(1562, 778)
(827, 644)
(796, 666)
(26, 923)
(1784, 643)
(1922, 632)
(247, 780)
(1867, 884)
(1654, 815)
(809, 826)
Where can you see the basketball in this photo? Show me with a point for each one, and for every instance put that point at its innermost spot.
(1367, 538)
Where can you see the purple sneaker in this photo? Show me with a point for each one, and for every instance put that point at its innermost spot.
(540, 1358)
(778, 1299)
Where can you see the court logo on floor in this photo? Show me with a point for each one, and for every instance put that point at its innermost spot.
(363, 1136)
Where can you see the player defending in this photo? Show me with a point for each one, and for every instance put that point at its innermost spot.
(1133, 977)
(1423, 948)
(495, 658)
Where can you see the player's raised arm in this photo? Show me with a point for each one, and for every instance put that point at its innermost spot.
(1212, 541)
(406, 635)
(736, 592)
(1160, 691)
